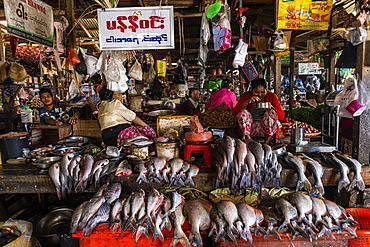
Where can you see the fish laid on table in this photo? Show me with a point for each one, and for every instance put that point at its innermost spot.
(229, 212)
(123, 169)
(101, 215)
(115, 214)
(112, 193)
(331, 159)
(178, 234)
(218, 225)
(247, 215)
(89, 210)
(192, 172)
(159, 164)
(356, 168)
(137, 201)
(87, 164)
(316, 169)
(54, 172)
(76, 216)
(271, 220)
(142, 174)
(297, 164)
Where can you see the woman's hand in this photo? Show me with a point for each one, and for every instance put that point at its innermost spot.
(250, 101)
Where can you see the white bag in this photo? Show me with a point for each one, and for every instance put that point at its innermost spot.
(136, 71)
(241, 52)
(73, 91)
(349, 93)
(277, 42)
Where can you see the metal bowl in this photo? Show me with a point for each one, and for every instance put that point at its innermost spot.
(47, 228)
(63, 151)
(46, 162)
(158, 113)
(263, 105)
(74, 141)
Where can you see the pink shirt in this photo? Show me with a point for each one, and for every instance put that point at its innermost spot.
(220, 96)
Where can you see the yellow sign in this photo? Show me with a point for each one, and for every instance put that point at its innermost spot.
(304, 14)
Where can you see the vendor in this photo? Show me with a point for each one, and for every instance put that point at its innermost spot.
(222, 95)
(253, 121)
(53, 110)
(191, 105)
(116, 121)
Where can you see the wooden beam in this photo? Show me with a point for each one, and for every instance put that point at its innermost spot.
(88, 34)
(70, 14)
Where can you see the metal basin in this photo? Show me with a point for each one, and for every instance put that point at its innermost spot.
(158, 113)
(74, 141)
(49, 227)
(65, 150)
(46, 162)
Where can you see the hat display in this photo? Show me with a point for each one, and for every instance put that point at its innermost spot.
(3, 71)
(17, 72)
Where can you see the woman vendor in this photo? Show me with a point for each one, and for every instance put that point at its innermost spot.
(254, 121)
(191, 105)
(223, 95)
(116, 121)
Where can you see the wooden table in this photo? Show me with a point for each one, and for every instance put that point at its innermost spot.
(27, 179)
(43, 134)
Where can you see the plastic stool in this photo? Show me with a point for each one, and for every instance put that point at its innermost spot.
(205, 148)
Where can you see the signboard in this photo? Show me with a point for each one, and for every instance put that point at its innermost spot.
(136, 28)
(30, 19)
(304, 14)
(308, 68)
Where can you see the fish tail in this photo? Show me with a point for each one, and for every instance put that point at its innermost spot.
(231, 236)
(282, 226)
(157, 234)
(357, 182)
(141, 178)
(325, 231)
(183, 240)
(305, 184)
(140, 231)
(59, 192)
(343, 183)
(219, 235)
(350, 230)
(189, 181)
(311, 234)
(74, 229)
(276, 234)
(87, 231)
(195, 239)
(116, 226)
(260, 229)
(249, 236)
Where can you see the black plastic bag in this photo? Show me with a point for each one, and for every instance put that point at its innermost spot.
(81, 67)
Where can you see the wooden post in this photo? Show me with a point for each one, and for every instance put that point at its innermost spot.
(2, 48)
(291, 74)
(70, 14)
(277, 76)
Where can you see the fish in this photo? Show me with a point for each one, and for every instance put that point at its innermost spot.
(317, 171)
(255, 182)
(101, 191)
(136, 139)
(99, 163)
(112, 193)
(259, 219)
(297, 164)
(152, 200)
(287, 210)
(228, 144)
(247, 215)
(96, 177)
(76, 216)
(230, 213)
(193, 171)
(176, 165)
(198, 213)
(178, 234)
(166, 171)
(157, 232)
(176, 200)
(115, 214)
(101, 215)
(331, 159)
(126, 209)
(319, 211)
(218, 225)
(137, 201)
(54, 172)
(241, 153)
(87, 163)
(356, 168)
(303, 203)
(159, 164)
(271, 220)
(268, 153)
(258, 152)
(75, 162)
(89, 210)
(142, 176)
(123, 169)
(65, 178)
(340, 218)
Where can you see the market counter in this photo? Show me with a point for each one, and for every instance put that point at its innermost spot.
(27, 179)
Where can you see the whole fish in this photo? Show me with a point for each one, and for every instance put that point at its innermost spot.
(340, 219)
(152, 200)
(297, 164)
(247, 215)
(268, 153)
(159, 164)
(258, 152)
(218, 225)
(54, 172)
(259, 219)
(76, 175)
(87, 163)
(176, 200)
(101, 191)
(142, 176)
(73, 164)
(76, 216)
(126, 209)
(316, 169)
(96, 177)
(230, 213)
(66, 180)
(193, 171)
(130, 141)
(101, 215)
(89, 210)
(287, 210)
(356, 168)
(319, 210)
(198, 212)
(241, 153)
(178, 234)
(176, 165)
(166, 171)
(303, 204)
(271, 220)
(137, 201)
(115, 214)
(251, 162)
(97, 164)
(157, 232)
(112, 193)
(331, 159)
(228, 144)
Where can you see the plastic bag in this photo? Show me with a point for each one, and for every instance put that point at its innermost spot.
(241, 52)
(73, 91)
(248, 71)
(72, 57)
(357, 36)
(81, 66)
(91, 65)
(136, 71)
(277, 41)
(349, 95)
(114, 71)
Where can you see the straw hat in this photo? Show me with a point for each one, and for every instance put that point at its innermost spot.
(3, 70)
(17, 72)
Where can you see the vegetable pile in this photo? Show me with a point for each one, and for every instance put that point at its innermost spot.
(219, 116)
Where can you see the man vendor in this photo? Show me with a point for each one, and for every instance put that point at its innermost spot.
(53, 110)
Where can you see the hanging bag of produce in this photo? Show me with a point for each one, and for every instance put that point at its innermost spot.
(81, 67)
(241, 52)
(248, 71)
(348, 99)
(136, 71)
(277, 41)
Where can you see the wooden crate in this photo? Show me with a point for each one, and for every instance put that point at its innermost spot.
(43, 134)
(87, 127)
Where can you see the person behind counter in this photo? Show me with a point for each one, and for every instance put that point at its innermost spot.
(116, 121)
(191, 105)
(254, 121)
(52, 111)
(222, 95)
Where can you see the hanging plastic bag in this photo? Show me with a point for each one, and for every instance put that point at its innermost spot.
(136, 71)
(277, 41)
(73, 91)
(357, 36)
(81, 66)
(114, 71)
(348, 99)
(241, 52)
(248, 71)
(72, 57)
(161, 67)
(91, 65)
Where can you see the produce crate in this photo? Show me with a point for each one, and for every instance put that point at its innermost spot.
(165, 123)
(362, 216)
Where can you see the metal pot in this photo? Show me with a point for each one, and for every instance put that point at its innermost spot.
(46, 162)
(158, 113)
(263, 105)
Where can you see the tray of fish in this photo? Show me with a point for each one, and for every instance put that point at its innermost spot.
(45, 162)
(67, 150)
(73, 141)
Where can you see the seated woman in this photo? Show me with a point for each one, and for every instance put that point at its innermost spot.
(254, 121)
(223, 95)
(52, 111)
(116, 121)
(191, 105)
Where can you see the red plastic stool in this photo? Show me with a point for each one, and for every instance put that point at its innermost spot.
(205, 148)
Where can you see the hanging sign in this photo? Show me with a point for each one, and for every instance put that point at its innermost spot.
(30, 19)
(304, 14)
(136, 28)
(308, 68)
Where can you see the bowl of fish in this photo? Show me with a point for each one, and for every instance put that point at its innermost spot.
(40, 152)
(158, 113)
(74, 141)
(67, 150)
(138, 142)
(45, 162)
(48, 228)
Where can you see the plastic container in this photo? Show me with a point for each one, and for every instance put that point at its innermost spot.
(26, 116)
(168, 150)
(11, 147)
(362, 216)
(218, 132)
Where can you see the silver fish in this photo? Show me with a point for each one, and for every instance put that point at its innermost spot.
(157, 232)
(112, 193)
(76, 216)
(241, 153)
(54, 172)
(331, 159)
(152, 201)
(73, 164)
(271, 220)
(287, 210)
(228, 144)
(165, 171)
(178, 234)
(198, 212)
(102, 190)
(99, 163)
(176, 200)
(89, 210)
(193, 171)
(317, 171)
(218, 225)
(159, 164)
(142, 176)
(259, 220)
(247, 215)
(176, 165)
(87, 163)
(303, 203)
(137, 202)
(115, 214)
(297, 164)
(255, 182)
(268, 153)
(65, 178)
(230, 213)
(356, 168)
(101, 215)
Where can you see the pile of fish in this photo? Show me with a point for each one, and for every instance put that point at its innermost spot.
(301, 162)
(298, 213)
(175, 171)
(74, 172)
(241, 165)
(138, 141)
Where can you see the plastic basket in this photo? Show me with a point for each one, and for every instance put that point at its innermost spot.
(362, 216)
